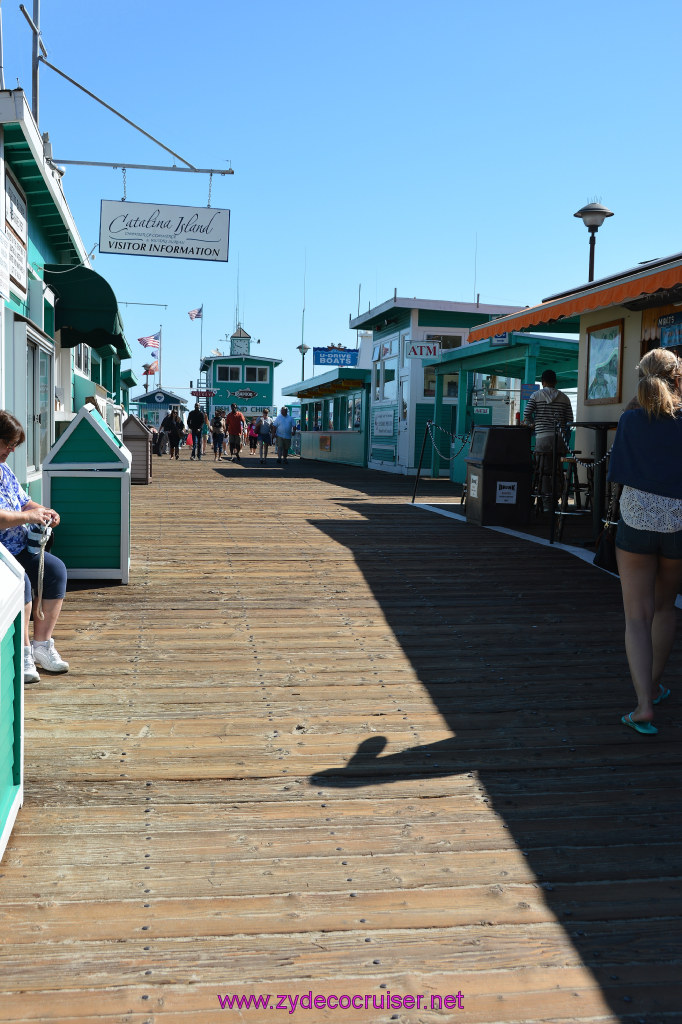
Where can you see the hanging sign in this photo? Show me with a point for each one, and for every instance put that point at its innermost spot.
(180, 232)
(671, 330)
(422, 350)
(206, 393)
(335, 357)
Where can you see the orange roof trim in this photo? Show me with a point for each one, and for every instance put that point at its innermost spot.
(584, 302)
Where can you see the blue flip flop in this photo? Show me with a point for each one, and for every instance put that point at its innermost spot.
(646, 728)
(663, 693)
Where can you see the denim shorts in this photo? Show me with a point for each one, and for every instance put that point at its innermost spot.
(648, 542)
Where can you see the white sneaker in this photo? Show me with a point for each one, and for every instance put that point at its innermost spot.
(46, 655)
(30, 671)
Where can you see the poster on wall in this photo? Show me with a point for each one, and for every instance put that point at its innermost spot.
(178, 232)
(604, 363)
(16, 229)
(383, 423)
(4, 265)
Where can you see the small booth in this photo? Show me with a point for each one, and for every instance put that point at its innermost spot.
(499, 471)
(86, 479)
(138, 440)
(11, 693)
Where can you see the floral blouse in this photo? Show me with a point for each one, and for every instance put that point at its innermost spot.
(12, 499)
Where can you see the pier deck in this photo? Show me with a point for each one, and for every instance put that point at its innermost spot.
(325, 742)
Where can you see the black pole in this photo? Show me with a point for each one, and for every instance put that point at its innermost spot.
(593, 233)
(421, 459)
(552, 521)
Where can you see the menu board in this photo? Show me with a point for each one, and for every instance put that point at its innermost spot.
(16, 229)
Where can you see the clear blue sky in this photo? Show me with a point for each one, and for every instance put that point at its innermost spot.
(375, 143)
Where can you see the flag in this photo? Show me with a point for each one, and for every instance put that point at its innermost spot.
(153, 354)
(196, 314)
(151, 341)
(153, 368)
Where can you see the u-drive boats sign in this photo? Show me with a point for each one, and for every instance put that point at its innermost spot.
(181, 232)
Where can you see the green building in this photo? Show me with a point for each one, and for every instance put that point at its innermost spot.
(243, 378)
(402, 392)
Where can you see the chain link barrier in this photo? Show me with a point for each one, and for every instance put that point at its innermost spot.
(453, 438)
(581, 462)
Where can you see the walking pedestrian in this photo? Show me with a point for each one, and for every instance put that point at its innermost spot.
(645, 460)
(253, 435)
(264, 429)
(173, 428)
(235, 423)
(195, 422)
(284, 428)
(218, 434)
(205, 428)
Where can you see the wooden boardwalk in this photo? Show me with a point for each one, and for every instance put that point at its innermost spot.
(328, 743)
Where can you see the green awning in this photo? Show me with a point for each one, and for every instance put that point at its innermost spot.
(86, 311)
(129, 378)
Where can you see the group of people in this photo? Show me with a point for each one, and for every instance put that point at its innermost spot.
(261, 432)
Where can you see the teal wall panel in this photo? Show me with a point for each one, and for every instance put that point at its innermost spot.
(89, 535)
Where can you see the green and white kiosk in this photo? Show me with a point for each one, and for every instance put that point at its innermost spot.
(86, 478)
(11, 693)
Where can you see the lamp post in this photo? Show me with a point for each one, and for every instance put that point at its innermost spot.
(593, 216)
(303, 349)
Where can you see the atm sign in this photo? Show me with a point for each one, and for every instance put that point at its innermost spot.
(422, 350)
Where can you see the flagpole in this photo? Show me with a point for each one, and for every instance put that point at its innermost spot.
(201, 336)
(160, 350)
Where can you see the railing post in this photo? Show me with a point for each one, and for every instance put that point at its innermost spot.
(421, 459)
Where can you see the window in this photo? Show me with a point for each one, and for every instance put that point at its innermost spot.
(450, 383)
(39, 405)
(227, 373)
(390, 389)
(257, 374)
(82, 359)
(446, 340)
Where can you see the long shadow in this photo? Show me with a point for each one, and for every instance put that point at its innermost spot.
(520, 650)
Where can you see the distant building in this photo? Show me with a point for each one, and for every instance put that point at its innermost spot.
(240, 377)
(154, 406)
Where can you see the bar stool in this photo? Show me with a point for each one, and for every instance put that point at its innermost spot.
(572, 485)
(542, 467)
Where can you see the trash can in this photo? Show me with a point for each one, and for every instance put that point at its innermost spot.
(86, 479)
(138, 440)
(11, 693)
(499, 471)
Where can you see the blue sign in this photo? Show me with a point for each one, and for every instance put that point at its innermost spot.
(527, 390)
(335, 356)
(671, 330)
(500, 339)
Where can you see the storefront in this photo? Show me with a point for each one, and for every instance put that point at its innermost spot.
(621, 317)
(60, 332)
(334, 415)
(518, 360)
(402, 385)
(241, 378)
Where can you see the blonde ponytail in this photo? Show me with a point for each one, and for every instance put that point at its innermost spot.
(657, 392)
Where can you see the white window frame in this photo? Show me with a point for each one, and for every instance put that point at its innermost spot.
(257, 369)
(232, 377)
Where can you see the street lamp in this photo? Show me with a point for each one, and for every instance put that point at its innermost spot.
(593, 216)
(303, 349)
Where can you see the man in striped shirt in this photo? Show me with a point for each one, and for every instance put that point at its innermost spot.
(544, 410)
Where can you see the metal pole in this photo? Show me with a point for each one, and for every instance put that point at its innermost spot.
(593, 233)
(35, 61)
(421, 459)
(552, 521)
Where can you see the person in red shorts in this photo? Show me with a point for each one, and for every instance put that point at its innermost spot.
(236, 427)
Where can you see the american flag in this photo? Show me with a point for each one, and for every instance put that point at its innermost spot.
(151, 341)
(196, 314)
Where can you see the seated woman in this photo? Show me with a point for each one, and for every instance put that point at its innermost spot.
(17, 511)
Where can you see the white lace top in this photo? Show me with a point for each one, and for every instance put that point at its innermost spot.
(645, 511)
